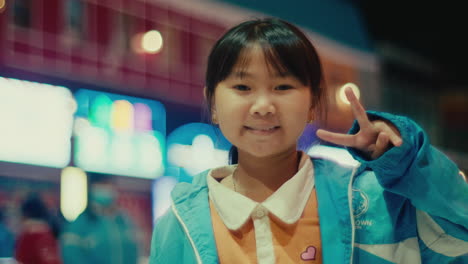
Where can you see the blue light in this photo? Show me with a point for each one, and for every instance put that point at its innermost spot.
(193, 148)
(120, 134)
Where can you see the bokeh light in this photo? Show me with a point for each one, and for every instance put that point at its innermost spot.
(73, 192)
(119, 134)
(152, 41)
(36, 123)
(193, 148)
(342, 95)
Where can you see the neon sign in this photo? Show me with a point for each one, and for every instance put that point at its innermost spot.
(36, 123)
(119, 134)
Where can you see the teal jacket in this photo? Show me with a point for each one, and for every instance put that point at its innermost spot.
(99, 239)
(408, 206)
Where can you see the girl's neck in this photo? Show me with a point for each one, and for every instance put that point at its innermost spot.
(258, 178)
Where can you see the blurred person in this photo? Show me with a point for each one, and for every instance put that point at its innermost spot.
(103, 233)
(7, 238)
(404, 202)
(37, 241)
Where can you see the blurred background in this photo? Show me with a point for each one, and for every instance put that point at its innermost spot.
(114, 87)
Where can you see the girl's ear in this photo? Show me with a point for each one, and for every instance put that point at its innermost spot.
(311, 115)
(205, 95)
(214, 118)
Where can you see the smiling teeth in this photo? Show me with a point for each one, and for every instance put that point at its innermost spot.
(264, 129)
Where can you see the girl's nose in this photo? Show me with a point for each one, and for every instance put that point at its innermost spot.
(262, 106)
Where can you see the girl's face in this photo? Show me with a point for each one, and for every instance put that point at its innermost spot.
(260, 111)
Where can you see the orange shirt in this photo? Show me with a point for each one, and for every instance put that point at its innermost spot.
(295, 243)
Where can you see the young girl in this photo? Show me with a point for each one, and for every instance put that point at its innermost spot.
(404, 203)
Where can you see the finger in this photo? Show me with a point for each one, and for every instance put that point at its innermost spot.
(381, 145)
(358, 110)
(394, 136)
(391, 131)
(395, 139)
(337, 138)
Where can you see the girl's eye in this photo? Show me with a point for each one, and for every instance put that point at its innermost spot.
(283, 87)
(241, 87)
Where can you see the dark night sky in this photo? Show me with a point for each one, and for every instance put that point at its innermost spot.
(433, 34)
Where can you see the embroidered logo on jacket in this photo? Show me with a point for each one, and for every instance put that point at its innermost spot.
(360, 203)
(360, 207)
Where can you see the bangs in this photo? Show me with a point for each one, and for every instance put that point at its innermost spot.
(272, 60)
(289, 57)
(278, 60)
(285, 54)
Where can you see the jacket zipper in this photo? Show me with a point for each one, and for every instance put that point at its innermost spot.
(351, 213)
(197, 255)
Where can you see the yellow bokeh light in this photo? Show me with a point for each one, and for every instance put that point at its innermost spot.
(122, 115)
(2, 5)
(73, 192)
(342, 95)
(152, 41)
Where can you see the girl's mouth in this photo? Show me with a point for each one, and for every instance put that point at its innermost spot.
(262, 130)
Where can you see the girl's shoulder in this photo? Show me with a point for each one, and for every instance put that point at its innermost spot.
(185, 192)
(199, 181)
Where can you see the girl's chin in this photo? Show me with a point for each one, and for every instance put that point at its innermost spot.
(268, 152)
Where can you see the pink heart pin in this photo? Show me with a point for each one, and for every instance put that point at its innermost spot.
(309, 254)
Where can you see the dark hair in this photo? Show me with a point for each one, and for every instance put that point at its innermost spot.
(33, 207)
(286, 48)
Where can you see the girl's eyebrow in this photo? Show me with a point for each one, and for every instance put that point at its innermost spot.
(244, 74)
(283, 74)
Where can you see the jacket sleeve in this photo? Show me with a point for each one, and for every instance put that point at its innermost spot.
(169, 243)
(430, 180)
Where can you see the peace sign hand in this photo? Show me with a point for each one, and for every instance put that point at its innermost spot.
(374, 137)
